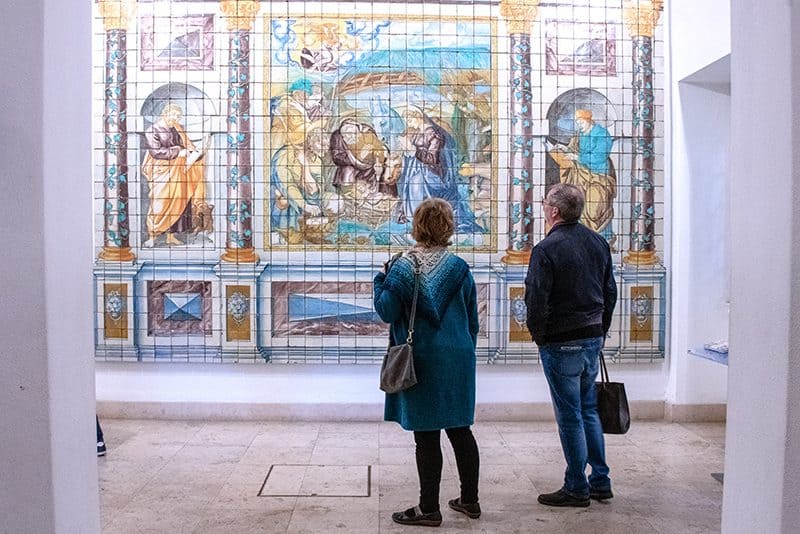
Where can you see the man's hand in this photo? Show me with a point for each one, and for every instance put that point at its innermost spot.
(313, 210)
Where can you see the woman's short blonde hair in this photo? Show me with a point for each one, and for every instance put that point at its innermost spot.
(433, 223)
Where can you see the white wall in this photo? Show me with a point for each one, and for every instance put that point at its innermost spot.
(701, 235)
(48, 470)
(700, 34)
(257, 389)
(699, 145)
(23, 385)
(762, 461)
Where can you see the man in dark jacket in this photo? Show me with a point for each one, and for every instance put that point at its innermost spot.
(570, 294)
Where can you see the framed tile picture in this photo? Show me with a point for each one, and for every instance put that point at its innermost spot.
(582, 48)
(177, 43)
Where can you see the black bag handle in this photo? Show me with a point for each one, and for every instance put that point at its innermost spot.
(603, 369)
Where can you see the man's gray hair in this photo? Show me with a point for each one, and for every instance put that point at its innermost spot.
(568, 199)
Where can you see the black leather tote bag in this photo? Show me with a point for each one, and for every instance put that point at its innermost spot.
(612, 403)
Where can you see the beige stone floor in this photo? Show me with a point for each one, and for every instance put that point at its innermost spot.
(198, 477)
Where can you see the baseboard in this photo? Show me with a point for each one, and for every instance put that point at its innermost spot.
(230, 411)
(695, 413)
(647, 410)
(240, 411)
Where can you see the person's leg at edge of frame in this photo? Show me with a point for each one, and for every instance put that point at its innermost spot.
(101, 444)
(563, 366)
(599, 482)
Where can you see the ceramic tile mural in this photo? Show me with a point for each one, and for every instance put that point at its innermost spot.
(256, 163)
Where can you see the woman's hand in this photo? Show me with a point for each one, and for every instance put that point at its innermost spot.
(387, 265)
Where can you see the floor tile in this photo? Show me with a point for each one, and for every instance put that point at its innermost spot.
(505, 488)
(351, 517)
(396, 455)
(218, 520)
(154, 519)
(344, 455)
(227, 433)
(261, 456)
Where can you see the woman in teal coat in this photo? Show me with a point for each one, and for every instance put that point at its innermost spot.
(445, 335)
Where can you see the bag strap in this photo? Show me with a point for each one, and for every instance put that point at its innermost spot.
(603, 370)
(417, 271)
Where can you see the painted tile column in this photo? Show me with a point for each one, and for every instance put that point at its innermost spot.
(641, 18)
(239, 15)
(519, 15)
(116, 221)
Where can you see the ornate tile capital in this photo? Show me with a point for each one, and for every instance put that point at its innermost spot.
(519, 14)
(116, 13)
(239, 14)
(641, 16)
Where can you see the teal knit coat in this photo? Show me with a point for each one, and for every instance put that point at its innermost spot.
(445, 335)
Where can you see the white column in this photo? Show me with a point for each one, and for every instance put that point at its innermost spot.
(48, 467)
(762, 463)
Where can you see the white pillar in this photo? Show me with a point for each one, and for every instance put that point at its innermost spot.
(762, 462)
(48, 469)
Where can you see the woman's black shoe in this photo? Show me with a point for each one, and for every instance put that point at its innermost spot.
(473, 511)
(414, 516)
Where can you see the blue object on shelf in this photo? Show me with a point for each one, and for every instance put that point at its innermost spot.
(719, 357)
(717, 346)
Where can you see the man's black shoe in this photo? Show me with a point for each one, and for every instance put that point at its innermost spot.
(601, 495)
(559, 498)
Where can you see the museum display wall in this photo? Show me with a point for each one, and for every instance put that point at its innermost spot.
(256, 163)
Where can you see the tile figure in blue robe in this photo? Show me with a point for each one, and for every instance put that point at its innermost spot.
(585, 162)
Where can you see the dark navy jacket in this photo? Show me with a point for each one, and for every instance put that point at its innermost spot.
(570, 289)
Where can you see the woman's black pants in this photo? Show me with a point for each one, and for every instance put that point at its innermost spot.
(429, 465)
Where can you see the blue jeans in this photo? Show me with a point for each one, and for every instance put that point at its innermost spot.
(571, 369)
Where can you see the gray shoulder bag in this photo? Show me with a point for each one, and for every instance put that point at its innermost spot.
(397, 371)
